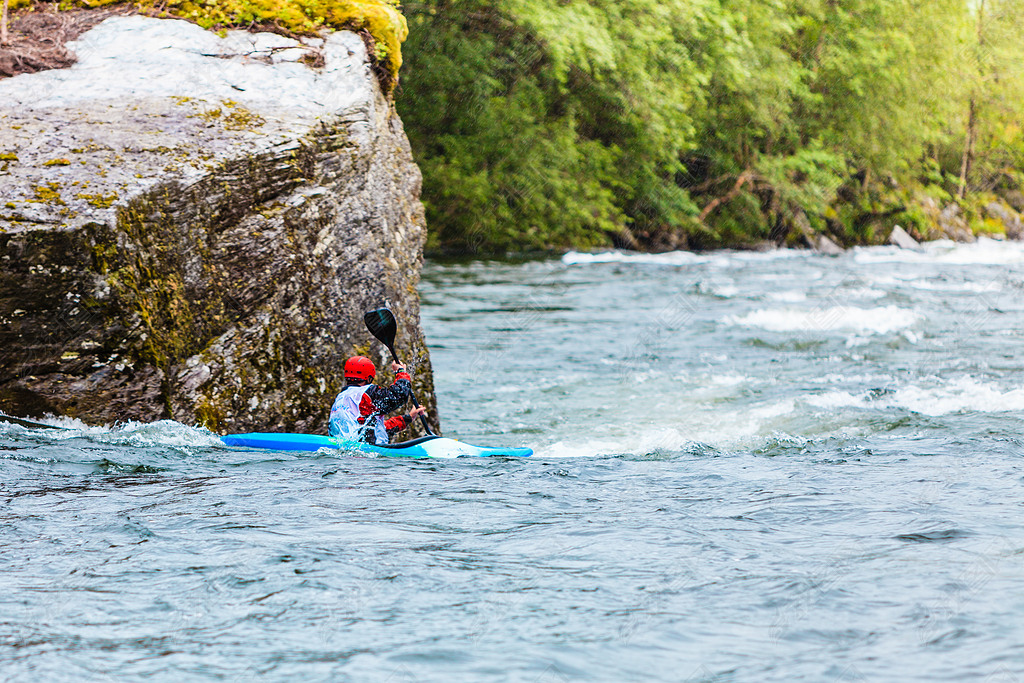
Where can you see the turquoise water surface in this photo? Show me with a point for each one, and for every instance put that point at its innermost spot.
(750, 467)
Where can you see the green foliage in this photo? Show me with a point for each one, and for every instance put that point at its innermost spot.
(992, 68)
(807, 178)
(542, 124)
(505, 163)
(571, 123)
(739, 223)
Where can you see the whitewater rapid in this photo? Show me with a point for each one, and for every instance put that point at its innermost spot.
(620, 352)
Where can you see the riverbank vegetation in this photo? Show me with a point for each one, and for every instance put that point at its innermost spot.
(660, 124)
(707, 123)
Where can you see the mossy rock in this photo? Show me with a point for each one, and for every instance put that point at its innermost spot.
(226, 290)
(381, 19)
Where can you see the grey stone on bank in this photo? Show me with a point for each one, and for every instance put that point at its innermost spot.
(816, 241)
(1014, 198)
(947, 223)
(1010, 219)
(192, 226)
(824, 245)
(902, 239)
(952, 224)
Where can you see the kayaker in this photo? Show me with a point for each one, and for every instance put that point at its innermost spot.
(361, 400)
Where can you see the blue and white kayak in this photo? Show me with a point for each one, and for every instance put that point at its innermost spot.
(423, 447)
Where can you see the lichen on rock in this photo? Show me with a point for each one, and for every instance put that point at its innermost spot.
(208, 268)
(380, 21)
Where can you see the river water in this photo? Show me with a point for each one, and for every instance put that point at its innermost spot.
(750, 467)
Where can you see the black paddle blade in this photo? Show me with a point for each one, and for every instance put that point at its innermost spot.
(382, 325)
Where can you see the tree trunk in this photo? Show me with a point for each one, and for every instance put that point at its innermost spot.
(718, 201)
(968, 160)
(972, 111)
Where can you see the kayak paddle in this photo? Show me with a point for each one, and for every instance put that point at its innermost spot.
(382, 325)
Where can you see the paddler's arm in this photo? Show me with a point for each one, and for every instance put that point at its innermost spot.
(388, 399)
(397, 424)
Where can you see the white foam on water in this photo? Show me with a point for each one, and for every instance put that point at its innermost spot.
(733, 428)
(984, 251)
(790, 297)
(729, 379)
(728, 426)
(139, 434)
(915, 281)
(65, 422)
(838, 378)
(882, 320)
(683, 258)
(911, 336)
(69, 427)
(861, 293)
(831, 400)
(725, 291)
(771, 255)
(965, 394)
(975, 287)
(652, 440)
(724, 288)
(856, 340)
(584, 449)
(672, 258)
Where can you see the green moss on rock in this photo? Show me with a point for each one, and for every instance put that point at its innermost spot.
(48, 194)
(380, 18)
(100, 201)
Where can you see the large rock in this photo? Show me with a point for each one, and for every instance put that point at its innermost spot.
(952, 224)
(1010, 219)
(948, 222)
(826, 246)
(192, 227)
(902, 239)
(1015, 198)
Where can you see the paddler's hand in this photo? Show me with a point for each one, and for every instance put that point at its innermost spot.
(398, 367)
(416, 412)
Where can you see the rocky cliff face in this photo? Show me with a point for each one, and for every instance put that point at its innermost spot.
(191, 227)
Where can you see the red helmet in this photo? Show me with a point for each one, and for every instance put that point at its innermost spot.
(360, 367)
